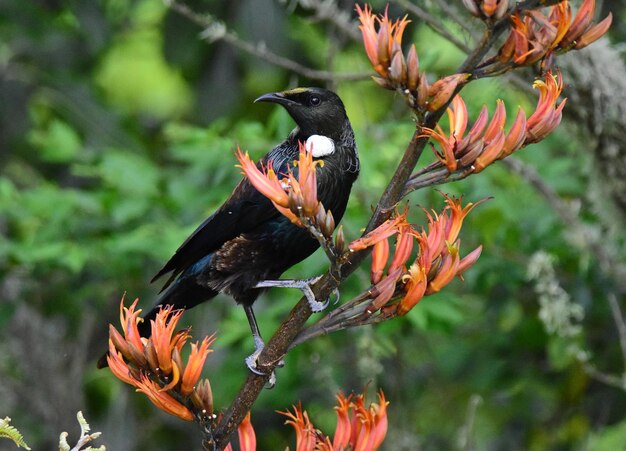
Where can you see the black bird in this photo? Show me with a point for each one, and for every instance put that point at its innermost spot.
(246, 245)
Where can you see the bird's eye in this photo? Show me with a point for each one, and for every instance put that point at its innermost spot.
(314, 101)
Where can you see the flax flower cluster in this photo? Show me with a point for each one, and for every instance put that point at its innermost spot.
(293, 195)
(382, 39)
(438, 258)
(154, 365)
(358, 427)
(535, 37)
(486, 141)
(487, 9)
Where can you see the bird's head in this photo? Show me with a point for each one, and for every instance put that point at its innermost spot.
(316, 111)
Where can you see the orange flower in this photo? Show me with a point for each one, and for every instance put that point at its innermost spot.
(118, 366)
(358, 427)
(382, 232)
(266, 183)
(305, 431)
(129, 318)
(456, 216)
(292, 196)
(486, 141)
(195, 364)
(535, 36)
(487, 8)
(162, 400)
(247, 437)
(581, 32)
(157, 369)
(162, 329)
(547, 115)
(382, 45)
(343, 430)
(415, 287)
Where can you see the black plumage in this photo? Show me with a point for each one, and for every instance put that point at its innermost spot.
(247, 241)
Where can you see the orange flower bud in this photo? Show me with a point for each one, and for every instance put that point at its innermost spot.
(447, 271)
(515, 137)
(384, 290)
(468, 261)
(397, 70)
(594, 33)
(204, 395)
(404, 247)
(441, 91)
(490, 152)
(380, 255)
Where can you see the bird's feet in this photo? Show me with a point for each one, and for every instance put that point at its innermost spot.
(305, 287)
(253, 359)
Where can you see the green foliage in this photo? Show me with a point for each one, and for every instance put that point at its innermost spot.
(8, 431)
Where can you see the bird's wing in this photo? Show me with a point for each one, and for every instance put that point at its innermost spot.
(244, 210)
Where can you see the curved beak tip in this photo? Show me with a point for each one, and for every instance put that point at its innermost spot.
(270, 97)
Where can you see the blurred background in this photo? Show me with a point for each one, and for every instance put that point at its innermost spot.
(118, 122)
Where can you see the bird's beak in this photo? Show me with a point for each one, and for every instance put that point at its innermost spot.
(274, 97)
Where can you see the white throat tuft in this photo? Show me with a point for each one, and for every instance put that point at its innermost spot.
(320, 145)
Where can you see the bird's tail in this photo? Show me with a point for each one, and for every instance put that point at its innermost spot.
(182, 294)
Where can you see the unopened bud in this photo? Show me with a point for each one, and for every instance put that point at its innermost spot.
(397, 70)
(442, 90)
(413, 69)
(340, 241)
(151, 355)
(382, 82)
(329, 223)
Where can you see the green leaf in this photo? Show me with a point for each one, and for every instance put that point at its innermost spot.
(8, 431)
(57, 143)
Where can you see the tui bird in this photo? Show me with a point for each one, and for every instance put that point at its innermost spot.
(246, 245)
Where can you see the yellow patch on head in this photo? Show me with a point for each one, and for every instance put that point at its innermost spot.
(294, 91)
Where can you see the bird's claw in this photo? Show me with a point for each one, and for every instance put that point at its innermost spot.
(253, 359)
(317, 306)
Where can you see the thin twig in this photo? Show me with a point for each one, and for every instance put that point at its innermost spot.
(468, 427)
(607, 379)
(450, 10)
(215, 30)
(619, 323)
(433, 23)
(437, 177)
(327, 10)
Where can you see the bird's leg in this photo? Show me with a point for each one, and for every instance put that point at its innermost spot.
(252, 359)
(304, 286)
